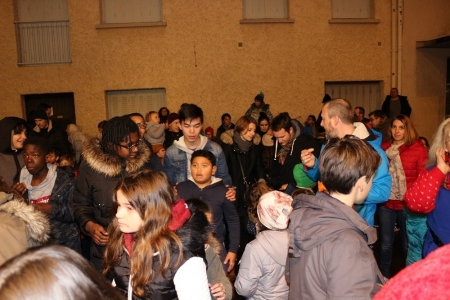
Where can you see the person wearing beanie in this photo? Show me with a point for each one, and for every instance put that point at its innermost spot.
(302, 180)
(259, 106)
(44, 128)
(209, 132)
(262, 267)
(319, 128)
(173, 132)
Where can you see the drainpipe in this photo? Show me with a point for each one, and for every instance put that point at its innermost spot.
(399, 44)
(393, 44)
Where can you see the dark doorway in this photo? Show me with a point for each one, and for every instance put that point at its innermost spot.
(62, 103)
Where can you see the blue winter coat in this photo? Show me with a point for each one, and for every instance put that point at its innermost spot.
(382, 182)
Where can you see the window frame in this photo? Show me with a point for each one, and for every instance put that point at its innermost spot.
(286, 19)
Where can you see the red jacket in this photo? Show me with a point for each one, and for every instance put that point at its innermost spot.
(414, 158)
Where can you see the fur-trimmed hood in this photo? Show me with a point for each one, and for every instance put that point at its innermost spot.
(37, 224)
(227, 137)
(112, 165)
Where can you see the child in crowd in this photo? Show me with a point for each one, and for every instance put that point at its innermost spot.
(202, 184)
(198, 229)
(144, 255)
(155, 133)
(52, 157)
(253, 195)
(329, 254)
(209, 131)
(49, 189)
(262, 267)
(53, 272)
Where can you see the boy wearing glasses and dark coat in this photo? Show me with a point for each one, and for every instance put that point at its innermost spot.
(119, 152)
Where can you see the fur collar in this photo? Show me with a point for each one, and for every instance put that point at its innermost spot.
(111, 165)
(37, 224)
(227, 137)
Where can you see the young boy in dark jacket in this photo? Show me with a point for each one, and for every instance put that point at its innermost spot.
(329, 254)
(203, 185)
(49, 189)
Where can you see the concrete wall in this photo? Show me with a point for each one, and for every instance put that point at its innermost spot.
(196, 58)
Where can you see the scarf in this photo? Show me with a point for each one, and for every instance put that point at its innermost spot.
(398, 189)
(128, 238)
(446, 183)
(242, 144)
(282, 154)
(42, 192)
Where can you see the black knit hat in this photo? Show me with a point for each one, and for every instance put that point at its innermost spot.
(40, 114)
(326, 98)
(259, 97)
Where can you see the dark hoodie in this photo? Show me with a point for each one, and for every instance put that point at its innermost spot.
(283, 173)
(329, 254)
(11, 161)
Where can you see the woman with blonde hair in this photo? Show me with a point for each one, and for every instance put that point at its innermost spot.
(144, 255)
(407, 158)
(431, 192)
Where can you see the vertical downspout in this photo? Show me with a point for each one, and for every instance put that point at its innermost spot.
(393, 44)
(399, 44)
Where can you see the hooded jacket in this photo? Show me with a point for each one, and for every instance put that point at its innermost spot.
(8, 157)
(177, 162)
(329, 256)
(93, 196)
(222, 209)
(262, 267)
(405, 108)
(382, 182)
(64, 230)
(21, 227)
(76, 139)
(251, 165)
(283, 173)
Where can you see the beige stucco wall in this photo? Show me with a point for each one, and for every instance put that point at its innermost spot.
(196, 58)
(424, 71)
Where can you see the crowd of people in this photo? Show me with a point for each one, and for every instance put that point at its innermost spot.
(158, 207)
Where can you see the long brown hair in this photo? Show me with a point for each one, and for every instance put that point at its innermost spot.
(410, 132)
(150, 193)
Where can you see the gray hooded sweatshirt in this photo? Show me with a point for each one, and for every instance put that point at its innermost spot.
(329, 256)
(262, 267)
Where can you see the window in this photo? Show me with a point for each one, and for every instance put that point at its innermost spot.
(352, 11)
(131, 11)
(265, 10)
(366, 94)
(142, 101)
(42, 32)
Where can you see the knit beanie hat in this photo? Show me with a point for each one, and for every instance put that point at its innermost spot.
(274, 209)
(302, 180)
(209, 129)
(426, 279)
(40, 114)
(259, 97)
(172, 117)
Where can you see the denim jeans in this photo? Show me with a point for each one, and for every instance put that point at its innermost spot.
(387, 218)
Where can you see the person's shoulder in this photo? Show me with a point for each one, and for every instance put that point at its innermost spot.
(211, 145)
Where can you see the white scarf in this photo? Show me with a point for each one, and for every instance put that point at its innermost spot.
(398, 189)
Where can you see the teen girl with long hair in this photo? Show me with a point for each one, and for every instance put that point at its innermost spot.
(145, 257)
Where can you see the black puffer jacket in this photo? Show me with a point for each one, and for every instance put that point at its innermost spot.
(93, 196)
(11, 161)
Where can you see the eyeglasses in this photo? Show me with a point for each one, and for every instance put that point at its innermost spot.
(130, 147)
(141, 125)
